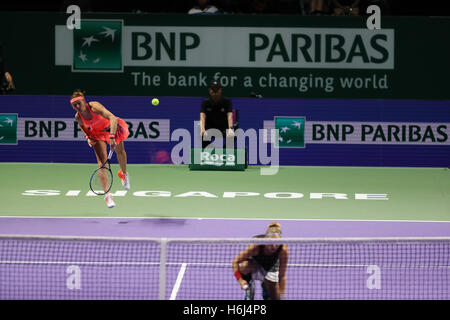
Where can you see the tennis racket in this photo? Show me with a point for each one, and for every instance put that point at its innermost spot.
(102, 178)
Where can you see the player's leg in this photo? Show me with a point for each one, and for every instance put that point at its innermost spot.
(121, 135)
(265, 292)
(273, 289)
(121, 156)
(101, 155)
(100, 149)
(122, 159)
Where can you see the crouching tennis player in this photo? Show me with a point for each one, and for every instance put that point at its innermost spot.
(101, 127)
(266, 263)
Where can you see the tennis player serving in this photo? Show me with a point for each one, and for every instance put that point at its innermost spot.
(266, 263)
(101, 128)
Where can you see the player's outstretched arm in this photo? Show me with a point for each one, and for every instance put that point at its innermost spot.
(243, 258)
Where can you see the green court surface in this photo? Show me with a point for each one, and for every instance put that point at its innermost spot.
(356, 193)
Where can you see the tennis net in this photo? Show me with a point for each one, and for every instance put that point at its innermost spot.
(41, 267)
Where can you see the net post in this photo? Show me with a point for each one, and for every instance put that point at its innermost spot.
(162, 269)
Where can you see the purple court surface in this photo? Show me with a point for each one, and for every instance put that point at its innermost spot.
(218, 228)
(40, 270)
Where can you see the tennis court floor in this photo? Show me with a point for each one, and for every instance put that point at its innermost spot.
(171, 201)
(172, 191)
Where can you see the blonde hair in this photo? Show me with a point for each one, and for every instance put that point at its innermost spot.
(274, 227)
(77, 93)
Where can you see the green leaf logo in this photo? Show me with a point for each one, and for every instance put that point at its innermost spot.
(8, 128)
(97, 46)
(291, 132)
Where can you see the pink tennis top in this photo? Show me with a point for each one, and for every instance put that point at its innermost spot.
(98, 127)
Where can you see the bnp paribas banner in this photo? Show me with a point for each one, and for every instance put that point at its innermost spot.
(312, 132)
(109, 46)
(295, 132)
(277, 56)
(261, 60)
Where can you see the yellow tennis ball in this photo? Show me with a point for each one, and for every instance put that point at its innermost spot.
(155, 102)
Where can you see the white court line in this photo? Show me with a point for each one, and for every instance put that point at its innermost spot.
(176, 287)
(213, 218)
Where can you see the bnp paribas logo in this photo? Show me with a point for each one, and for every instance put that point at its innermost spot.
(8, 128)
(291, 132)
(97, 46)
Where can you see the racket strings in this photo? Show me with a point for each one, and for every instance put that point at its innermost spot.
(102, 180)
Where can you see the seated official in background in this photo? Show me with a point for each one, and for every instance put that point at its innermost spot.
(217, 113)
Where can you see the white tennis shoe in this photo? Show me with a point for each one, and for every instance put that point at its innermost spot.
(109, 201)
(125, 178)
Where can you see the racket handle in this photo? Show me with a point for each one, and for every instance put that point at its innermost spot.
(111, 151)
